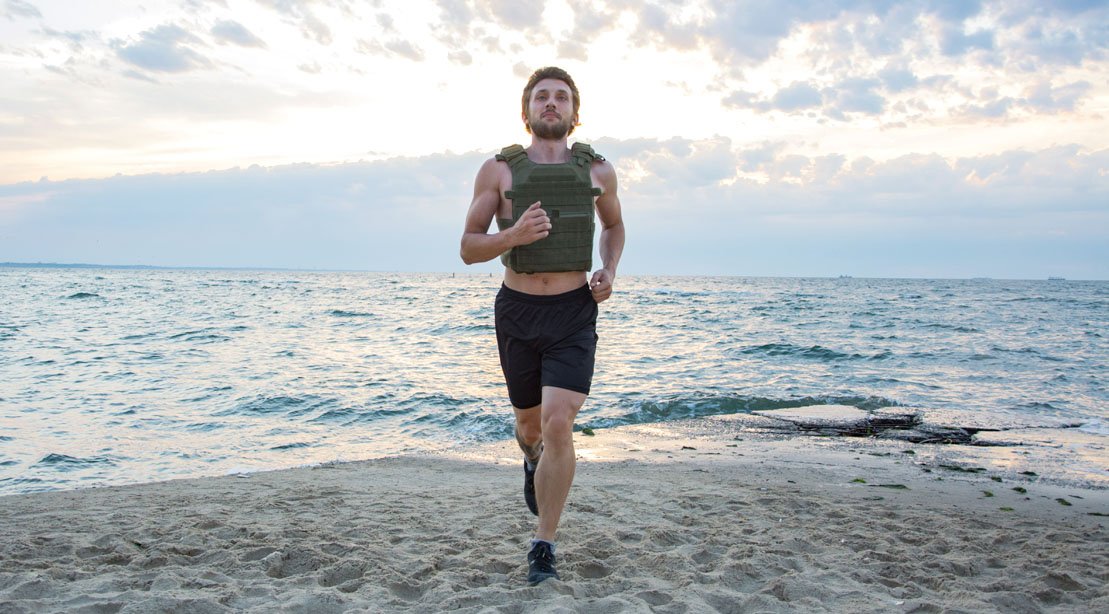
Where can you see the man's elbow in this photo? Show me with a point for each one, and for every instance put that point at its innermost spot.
(465, 253)
(617, 226)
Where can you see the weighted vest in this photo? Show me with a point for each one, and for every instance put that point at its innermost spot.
(566, 192)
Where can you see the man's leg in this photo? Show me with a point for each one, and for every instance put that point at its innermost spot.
(556, 470)
(529, 436)
(529, 432)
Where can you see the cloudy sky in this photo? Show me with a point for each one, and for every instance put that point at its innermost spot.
(935, 138)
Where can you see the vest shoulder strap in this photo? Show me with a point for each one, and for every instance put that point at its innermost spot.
(513, 154)
(583, 154)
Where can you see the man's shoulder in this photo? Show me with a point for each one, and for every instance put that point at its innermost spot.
(493, 171)
(602, 166)
(494, 162)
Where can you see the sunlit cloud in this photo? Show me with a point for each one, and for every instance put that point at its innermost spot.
(166, 48)
(233, 32)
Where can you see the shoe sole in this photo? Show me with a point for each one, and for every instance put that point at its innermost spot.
(535, 581)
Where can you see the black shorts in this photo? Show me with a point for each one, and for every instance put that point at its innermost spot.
(545, 340)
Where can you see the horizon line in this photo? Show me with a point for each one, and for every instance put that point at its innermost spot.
(81, 265)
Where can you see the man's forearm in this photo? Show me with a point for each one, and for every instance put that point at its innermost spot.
(483, 247)
(611, 247)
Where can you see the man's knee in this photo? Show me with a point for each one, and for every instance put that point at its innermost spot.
(559, 411)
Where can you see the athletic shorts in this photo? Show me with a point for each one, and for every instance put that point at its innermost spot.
(545, 340)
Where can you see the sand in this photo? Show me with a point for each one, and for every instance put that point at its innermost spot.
(701, 516)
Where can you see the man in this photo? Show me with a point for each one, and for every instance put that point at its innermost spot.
(544, 198)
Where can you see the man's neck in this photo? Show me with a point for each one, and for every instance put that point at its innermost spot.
(545, 151)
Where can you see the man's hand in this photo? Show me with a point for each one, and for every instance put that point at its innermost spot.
(532, 226)
(601, 285)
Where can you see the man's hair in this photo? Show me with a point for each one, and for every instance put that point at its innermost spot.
(550, 72)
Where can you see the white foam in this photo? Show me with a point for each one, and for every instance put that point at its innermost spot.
(1095, 427)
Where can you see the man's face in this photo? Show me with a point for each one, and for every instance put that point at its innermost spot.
(551, 111)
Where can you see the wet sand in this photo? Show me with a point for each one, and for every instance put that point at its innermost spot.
(696, 516)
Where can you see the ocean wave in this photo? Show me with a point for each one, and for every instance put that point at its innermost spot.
(699, 405)
(481, 426)
(205, 335)
(293, 446)
(1095, 427)
(66, 461)
(342, 313)
(950, 327)
(813, 352)
(288, 404)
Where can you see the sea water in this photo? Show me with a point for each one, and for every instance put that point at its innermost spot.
(111, 375)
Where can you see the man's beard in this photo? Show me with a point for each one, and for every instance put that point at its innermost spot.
(550, 132)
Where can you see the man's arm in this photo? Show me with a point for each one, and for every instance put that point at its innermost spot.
(612, 232)
(480, 246)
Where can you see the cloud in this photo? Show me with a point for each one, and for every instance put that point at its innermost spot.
(572, 50)
(898, 79)
(235, 33)
(311, 26)
(19, 8)
(991, 110)
(798, 96)
(953, 10)
(1054, 44)
(314, 28)
(852, 96)
(716, 206)
(955, 42)
(75, 40)
(1047, 99)
(392, 48)
(591, 20)
(461, 57)
(405, 49)
(163, 49)
(514, 14)
(297, 215)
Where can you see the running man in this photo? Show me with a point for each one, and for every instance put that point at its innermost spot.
(544, 198)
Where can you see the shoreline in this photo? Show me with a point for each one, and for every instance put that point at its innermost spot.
(1072, 452)
(696, 515)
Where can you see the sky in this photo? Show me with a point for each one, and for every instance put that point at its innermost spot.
(873, 138)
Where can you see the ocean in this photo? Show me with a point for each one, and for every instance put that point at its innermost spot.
(116, 376)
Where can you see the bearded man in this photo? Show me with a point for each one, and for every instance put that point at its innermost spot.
(544, 198)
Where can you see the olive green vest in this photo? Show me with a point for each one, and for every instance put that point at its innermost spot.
(566, 192)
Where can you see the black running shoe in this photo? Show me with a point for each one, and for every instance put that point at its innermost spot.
(529, 489)
(541, 561)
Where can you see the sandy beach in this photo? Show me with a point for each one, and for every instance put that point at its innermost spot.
(696, 516)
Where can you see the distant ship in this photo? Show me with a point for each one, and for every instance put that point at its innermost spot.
(1054, 278)
(845, 277)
